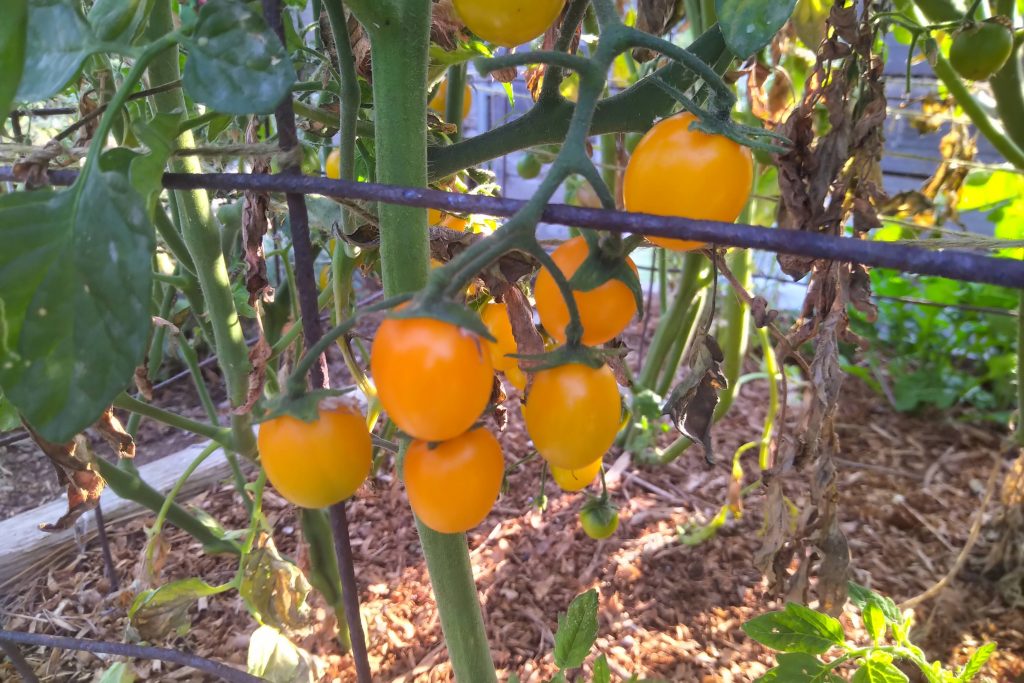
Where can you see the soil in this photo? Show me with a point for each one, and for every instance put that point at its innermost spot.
(910, 488)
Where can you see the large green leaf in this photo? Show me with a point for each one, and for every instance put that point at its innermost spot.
(878, 670)
(749, 25)
(236, 65)
(577, 630)
(75, 281)
(796, 629)
(799, 667)
(12, 51)
(118, 20)
(58, 40)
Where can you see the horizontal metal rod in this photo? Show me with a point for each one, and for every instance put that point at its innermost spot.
(222, 671)
(956, 265)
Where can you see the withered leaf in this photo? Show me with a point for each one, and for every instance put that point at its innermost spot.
(692, 403)
(274, 588)
(113, 432)
(157, 613)
(73, 464)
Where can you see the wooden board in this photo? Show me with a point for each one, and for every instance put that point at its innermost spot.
(22, 544)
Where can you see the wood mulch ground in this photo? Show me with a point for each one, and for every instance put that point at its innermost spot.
(910, 488)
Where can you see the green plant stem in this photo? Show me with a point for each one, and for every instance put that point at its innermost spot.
(684, 337)
(455, 97)
(221, 435)
(130, 487)
(399, 53)
(323, 563)
(771, 368)
(173, 493)
(1006, 84)
(351, 98)
(669, 325)
(736, 323)
(633, 110)
(202, 237)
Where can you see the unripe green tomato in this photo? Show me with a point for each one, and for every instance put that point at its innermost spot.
(529, 166)
(599, 518)
(979, 51)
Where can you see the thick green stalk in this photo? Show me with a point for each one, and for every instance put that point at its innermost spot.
(669, 327)
(735, 337)
(323, 566)
(455, 97)
(399, 34)
(202, 237)
(131, 487)
(219, 434)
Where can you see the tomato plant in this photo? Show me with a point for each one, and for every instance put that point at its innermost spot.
(433, 378)
(677, 171)
(604, 311)
(452, 485)
(509, 23)
(572, 413)
(316, 464)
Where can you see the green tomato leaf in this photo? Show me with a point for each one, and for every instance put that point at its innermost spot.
(8, 414)
(977, 661)
(118, 21)
(236, 65)
(799, 667)
(577, 630)
(75, 284)
(146, 171)
(796, 629)
(602, 674)
(874, 622)
(12, 52)
(57, 42)
(878, 671)
(119, 672)
(749, 25)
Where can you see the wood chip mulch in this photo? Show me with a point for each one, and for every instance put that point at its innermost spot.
(910, 488)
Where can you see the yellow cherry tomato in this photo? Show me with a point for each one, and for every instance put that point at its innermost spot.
(604, 311)
(510, 22)
(575, 480)
(675, 171)
(495, 317)
(440, 100)
(572, 413)
(316, 464)
(333, 165)
(453, 485)
(434, 379)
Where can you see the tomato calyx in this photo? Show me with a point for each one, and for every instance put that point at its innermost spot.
(429, 305)
(305, 406)
(607, 261)
(566, 355)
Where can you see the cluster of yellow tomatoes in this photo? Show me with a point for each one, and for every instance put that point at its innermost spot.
(435, 379)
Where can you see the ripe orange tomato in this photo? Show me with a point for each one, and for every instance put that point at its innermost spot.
(511, 22)
(332, 166)
(446, 220)
(453, 485)
(572, 413)
(675, 171)
(440, 99)
(433, 378)
(316, 464)
(495, 316)
(578, 479)
(604, 311)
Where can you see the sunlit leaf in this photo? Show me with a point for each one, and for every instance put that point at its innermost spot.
(276, 659)
(796, 629)
(577, 630)
(749, 25)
